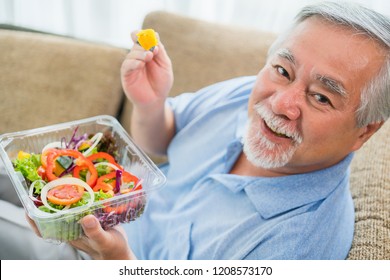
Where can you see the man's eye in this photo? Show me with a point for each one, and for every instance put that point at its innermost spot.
(282, 71)
(322, 99)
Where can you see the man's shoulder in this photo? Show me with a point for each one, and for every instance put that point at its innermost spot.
(227, 90)
(232, 85)
(218, 94)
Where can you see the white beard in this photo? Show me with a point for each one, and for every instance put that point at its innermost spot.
(260, 151)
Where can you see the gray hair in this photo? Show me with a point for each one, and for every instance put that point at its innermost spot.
(375, 96)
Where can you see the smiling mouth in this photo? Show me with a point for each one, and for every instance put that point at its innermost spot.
(275, 131)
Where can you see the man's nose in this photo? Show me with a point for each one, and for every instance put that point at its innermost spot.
(286, 102)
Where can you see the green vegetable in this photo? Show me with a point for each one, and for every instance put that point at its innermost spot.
(28, 167)
(65, 161)
(108, 144)
(103, 170)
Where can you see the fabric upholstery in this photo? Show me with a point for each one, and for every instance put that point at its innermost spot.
(49, 79)
(370, 187)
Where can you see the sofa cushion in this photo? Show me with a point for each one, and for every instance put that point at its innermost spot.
(48, 79)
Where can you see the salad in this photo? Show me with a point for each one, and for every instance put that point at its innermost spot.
(80, 172)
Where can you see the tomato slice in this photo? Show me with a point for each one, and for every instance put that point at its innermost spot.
(80, 161)
(65, 194)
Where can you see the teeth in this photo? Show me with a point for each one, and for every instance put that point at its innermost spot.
(282, 135)
(274, 130)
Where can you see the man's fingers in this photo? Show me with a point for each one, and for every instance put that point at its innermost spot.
(140, 55)
(101, 244)
(33, 226)
(157, 53)
(92, 229)
(137, 54)
(134, 36)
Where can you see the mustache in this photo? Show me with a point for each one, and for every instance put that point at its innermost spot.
(278, 124)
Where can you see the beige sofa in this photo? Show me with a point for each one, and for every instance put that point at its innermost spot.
(46, 79)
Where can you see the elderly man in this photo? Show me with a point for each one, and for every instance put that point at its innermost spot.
(258, 166)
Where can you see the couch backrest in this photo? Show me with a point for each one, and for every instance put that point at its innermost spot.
(46, 79)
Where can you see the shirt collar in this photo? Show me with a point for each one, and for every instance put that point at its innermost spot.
(272, 196)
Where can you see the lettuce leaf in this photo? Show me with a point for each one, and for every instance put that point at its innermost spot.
(28, 167)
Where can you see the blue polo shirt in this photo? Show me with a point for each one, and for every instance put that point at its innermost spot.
(204, 212)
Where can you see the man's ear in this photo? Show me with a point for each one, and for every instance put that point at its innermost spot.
(367, 132)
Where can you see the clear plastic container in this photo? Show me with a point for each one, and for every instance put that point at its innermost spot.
(63, 225)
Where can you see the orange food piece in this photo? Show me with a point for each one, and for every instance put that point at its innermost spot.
(65, 194)
(147, 39)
